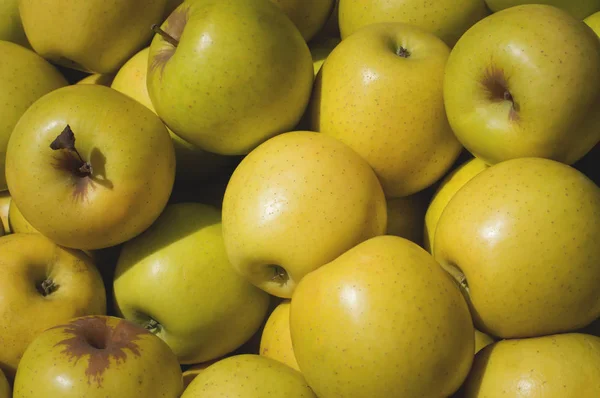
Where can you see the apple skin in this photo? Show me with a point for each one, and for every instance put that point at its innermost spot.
(522, 237)
(131, 155)
(577, 8)
(382, 320)
(27, 261)
(17, 223)
(447, 19)
(295, 203)
(444, 193)
(254, 376)
(388, 106)
(231, 106)
(496, 90)
(204, 308)
(11, 28)
(482, 340)
(555, 366)
(276, 339)
(115, 30)
(4, 209)
(593, 21)
(98, 357)
(309, 16)
(24, 78)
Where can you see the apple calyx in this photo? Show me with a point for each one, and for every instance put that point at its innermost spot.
(403, 52)
(47, 287)
(279, 274)
(170, 39)
(66, 141)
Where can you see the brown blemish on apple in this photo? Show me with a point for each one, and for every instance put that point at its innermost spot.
(173, 27)
(102, 344)
(496, 83)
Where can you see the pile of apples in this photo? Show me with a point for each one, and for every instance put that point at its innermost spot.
(287, 198)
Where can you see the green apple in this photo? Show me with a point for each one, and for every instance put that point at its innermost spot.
(249, 376)
(98, 357)
(381, 92)
(555, 366)
(192, 163)
(42, 285)
(447, 19)
(296, 202)
(444, 193)
(521, 237)
(24, 77)
(256, 74)
(93, 35)
(11, 28)
(197, 303)
(593, 21)
(514, 88)
(100, 166)
(309, 16)
(577, 8)
(382, 320)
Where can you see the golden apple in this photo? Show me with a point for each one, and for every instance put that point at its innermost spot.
(382, 320)
(249, 376)
(482, 340)
(98, 357)
(5, 388)
(97, 78)
(380, 92)
(276, 340)
(42, 285)
(578, 8)
(593, 21)
(521, 237)
(17, 223)
(11, 28)
(296, 202)
(444, 192)
(4, 210)
(406, 216)
(309, 16)
(555, 366)
(320, 50)
(447, 19)
(498, 98)
(192, 371)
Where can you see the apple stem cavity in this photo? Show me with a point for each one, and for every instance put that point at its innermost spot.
(403, 52)
(279, 274)
(66, 141)
(151, 325)
(47, 287)
(170, 39)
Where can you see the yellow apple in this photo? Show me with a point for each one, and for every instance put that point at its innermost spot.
(445, 191)
(5, 388)
(593, 21)
(276, 340)
(321, 49)
(578, 8)
(447, 19)
(175, 280)
(296, 202)
(97, 78)
(191, 372)
(95, 36)
(382, 320)
(17, 223)
(4, 210)
(406, 216)
(11, 28)
(498, 98)
(249, 376)
(380, 92)
(24, 78)
(555, 366)
(42, 285)
(192, 163)
(309, 16)
(98, 357)
(482, 340)
(521, 237)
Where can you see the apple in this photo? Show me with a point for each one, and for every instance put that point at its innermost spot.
(98, 357)
(92, 36)
(249, 376)
(11, 28)
(256, 77)
(97, 78)
(16, 222)
(100, 166)
(496, 91)
(192, 371)
(175, 280)
(381, 92)
(382, 320)
(406, 216)
(4, 209)
(5, 388)
(521, 237)
(192, 163)
(42, 285)
(296, 202)
(555, 366)
(482, 340)
(320, 50)
(450, 184)
(593, 21)
(276, 339)
(577, 8)
(24, 77)
(309, 16)
(447, 19)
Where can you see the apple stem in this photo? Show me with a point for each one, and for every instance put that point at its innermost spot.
(151, 325)
(508, 96)
(157, 30)
(66, 140)
(47, 287)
